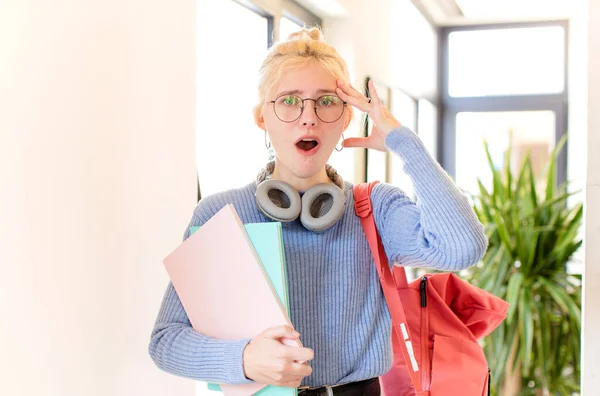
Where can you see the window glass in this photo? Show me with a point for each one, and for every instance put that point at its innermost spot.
(427, 125)
(286, 27)
(506, 61)
(532, 132)
(226, 94)
(404, 108)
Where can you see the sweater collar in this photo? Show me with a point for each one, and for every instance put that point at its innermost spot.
(267, 171)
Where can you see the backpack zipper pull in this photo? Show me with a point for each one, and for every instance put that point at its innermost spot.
(425, 338)
(424, 292)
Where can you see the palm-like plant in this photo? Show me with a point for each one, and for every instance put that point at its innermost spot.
(532, 236)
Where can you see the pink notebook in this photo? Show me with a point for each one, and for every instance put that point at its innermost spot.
(223, 287)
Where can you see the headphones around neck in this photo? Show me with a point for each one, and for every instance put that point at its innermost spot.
(293, 205)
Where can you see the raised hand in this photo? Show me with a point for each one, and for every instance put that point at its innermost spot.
(383, 120)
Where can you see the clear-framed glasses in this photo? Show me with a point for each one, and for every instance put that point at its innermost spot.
(288, 108)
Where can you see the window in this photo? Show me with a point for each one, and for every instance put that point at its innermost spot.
(404, 108)
(532, 132)
(421, 117)
(287, 27)
(377, 161)
(226, 88)
(427, 125)
(226, 94)
(498, 77)
(507, 61)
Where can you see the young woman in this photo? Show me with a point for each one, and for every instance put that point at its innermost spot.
(337, 304)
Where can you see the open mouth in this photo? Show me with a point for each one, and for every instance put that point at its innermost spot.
(307, 144)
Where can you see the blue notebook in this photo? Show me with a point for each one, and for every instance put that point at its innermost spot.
(268, 243)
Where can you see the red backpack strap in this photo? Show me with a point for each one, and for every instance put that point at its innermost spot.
(364, 210)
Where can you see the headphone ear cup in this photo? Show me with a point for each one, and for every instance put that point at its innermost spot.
(336, 212)
(273, 211)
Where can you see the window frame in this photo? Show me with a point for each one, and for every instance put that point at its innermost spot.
(451, 106)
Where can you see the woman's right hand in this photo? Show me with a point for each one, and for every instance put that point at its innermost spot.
(268, 361)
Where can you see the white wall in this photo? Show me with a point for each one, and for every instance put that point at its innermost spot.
(98, 183)
(390, 41)
(591, 309)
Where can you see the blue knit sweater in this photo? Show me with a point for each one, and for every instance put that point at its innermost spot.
(336, 302)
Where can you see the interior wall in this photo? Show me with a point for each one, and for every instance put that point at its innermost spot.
(98, 183)
(591, 292)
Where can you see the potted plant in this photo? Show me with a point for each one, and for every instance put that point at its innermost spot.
(532, 235)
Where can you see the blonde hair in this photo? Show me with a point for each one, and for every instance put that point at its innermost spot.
(300, 48)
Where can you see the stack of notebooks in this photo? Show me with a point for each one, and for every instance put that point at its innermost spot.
(232, 282)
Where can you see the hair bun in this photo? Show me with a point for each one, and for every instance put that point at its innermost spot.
(304, 33)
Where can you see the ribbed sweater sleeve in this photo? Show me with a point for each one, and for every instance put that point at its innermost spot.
(442, 231)
(177, 348)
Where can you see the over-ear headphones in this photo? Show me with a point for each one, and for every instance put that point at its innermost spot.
(279, 201)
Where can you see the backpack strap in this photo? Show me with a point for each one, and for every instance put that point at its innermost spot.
(364, 210)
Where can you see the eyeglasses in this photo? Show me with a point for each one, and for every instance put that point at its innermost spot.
(288, 108)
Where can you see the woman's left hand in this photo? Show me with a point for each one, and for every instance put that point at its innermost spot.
(383, 120)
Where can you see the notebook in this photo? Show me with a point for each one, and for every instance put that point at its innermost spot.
(268, 243)
(224, 287)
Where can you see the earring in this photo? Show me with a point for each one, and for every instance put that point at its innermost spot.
(336, 149)
(268, 146)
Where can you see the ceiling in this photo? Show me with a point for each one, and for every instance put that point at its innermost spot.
(325, 8)
(460, 12)
(457, 12)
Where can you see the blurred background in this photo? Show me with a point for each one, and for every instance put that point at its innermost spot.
(116, 114)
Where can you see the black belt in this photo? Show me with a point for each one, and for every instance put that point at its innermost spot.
(369, 387)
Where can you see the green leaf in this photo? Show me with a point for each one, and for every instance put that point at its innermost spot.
(520, 185)
(484, 277)
(510, 335)
(543, 345)
(526, 328)
(512, 294)
(532, 244)
(507, 172)
(503, 232)
(575, 347)
(532, 189)
(497, 180)
(486, 202)
(571, 232)
(563, 300)
(551, 180)
(505, 268)
(551, 171)
(497, 348)
(528, 199)
(556, 200)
